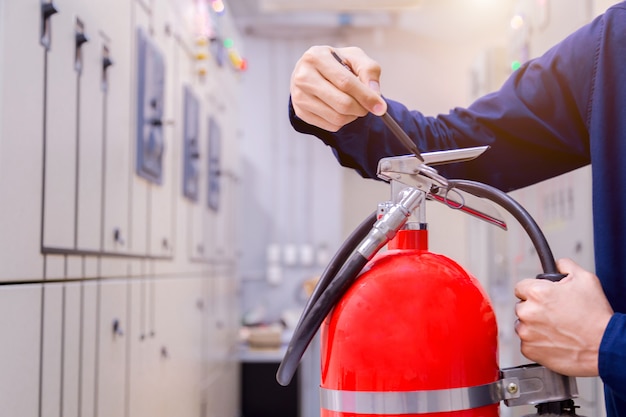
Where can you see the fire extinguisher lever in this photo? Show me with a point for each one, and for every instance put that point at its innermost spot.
(408, 171)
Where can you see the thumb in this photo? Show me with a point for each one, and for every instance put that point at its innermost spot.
(567, 266)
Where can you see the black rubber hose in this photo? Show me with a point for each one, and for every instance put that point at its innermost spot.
(328, 275)
(337, 261)
(309, 324)
(537, 237)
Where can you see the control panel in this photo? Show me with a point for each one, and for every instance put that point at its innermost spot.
(150, 97)
(191, 146)
(215, 145)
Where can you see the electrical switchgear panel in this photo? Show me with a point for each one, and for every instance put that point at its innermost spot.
(150, 96)
(215, 145)
(191, 147)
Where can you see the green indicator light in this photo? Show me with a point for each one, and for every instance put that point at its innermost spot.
(515, 65)
(228, 43)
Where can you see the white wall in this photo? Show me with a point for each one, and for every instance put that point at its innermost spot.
(292, 190)
(291, 198)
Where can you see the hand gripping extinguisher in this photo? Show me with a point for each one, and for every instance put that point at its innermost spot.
(408, 332)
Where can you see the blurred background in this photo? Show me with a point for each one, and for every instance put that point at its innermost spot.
(163, 223)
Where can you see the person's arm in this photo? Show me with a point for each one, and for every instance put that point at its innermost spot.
(536, 124)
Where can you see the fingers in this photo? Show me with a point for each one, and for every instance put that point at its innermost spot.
(322, 116)
(318, 101)
(367, 93)
(532, 293)
(326, 94)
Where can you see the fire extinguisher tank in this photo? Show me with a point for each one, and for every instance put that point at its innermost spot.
(413, 322)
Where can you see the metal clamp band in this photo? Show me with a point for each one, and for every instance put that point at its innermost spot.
(411, 402)
(535, 384)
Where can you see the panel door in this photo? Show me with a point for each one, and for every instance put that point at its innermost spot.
(20, 322)
(88, 334)
(61, 136)
(71, 356)
(178, 327)
(163, 196)
(52, 350)
(112, 351)
(148, 365)
(117, 118)
(21, 132)
(90, 141)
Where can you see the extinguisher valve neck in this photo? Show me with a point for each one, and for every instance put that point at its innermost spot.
(388, 225)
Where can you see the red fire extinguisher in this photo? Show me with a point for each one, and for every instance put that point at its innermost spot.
(408, 332)
(444, 353)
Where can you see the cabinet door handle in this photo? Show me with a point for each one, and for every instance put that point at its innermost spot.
(117, 328)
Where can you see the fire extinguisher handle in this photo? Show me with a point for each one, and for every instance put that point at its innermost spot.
(552, 276)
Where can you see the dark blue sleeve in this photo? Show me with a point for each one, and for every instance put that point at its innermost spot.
(612, 364)
(536, 124)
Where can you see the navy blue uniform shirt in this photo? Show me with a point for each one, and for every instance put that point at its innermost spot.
(561, 111)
